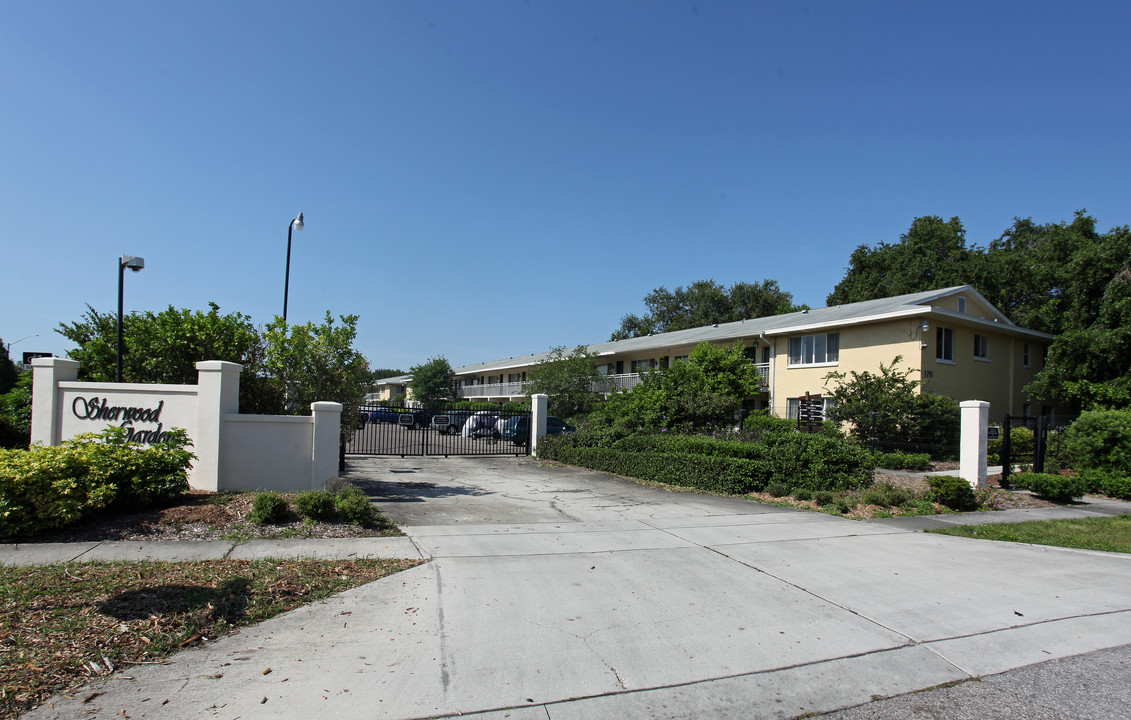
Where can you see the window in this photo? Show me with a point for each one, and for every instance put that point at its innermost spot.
(639, 366)
(944, 344)
(514, 377)
(961, 304)
(814, 349)
(982, 347)
(1025, 354)
(680, 357)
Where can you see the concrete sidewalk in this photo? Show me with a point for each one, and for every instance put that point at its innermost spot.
(189, 550)
(591, 598)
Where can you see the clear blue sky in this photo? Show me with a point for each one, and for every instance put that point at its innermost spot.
(488, 179)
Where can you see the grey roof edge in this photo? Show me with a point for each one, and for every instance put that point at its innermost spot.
(908, 305)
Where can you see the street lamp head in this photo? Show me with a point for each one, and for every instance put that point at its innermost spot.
(298, 222)
(131, 262)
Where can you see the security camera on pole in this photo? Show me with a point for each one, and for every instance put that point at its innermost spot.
(135, 264)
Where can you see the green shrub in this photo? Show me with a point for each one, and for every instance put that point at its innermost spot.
(902, 461)
(727, 475)
(1108, 483)
(1100, 440)
(897, 497)
(269, 508)
(953, 492)
(315, 504)
(824, 498)
(802, 494)
(50, 487)
(843, 506)
(777, 489)
(1020, 441)
(768, 424)
(353, 505)
(1057, 488)
(874, 496)
(1116, 486)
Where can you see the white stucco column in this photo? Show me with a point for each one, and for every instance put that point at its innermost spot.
(975, 416)
(539, 406)
(46, 415)
(327, 436)
(218, 393)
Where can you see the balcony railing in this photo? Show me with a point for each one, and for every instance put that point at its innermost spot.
(608, 384)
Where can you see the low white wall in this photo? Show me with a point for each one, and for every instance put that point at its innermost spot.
(264, 452)
(234, 452)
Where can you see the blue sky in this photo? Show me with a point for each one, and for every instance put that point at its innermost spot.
(483, 180)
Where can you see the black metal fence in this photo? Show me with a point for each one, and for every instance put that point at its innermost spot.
(438, 430)
(937, 434)
(1039, 436)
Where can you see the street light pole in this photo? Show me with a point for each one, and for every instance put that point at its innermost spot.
(296, 223)
(135, 264)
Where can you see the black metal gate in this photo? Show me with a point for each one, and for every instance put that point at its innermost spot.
(1023, 451)
(439, 430)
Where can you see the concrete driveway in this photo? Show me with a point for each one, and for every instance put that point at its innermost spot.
(559, 593)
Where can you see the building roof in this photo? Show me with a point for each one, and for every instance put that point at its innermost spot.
(913, 304)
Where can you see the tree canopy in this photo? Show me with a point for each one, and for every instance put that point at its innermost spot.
(1065, 278)
(164, 347)
(705, 302)
(568, 379)
(432, 380)
(932, 254)
(317, 362)
(705, 389)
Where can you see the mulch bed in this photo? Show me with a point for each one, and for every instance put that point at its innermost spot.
(198, 515)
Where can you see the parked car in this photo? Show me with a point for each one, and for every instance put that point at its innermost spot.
(481, 424)
(517, 429)
(456, 419)
(383, 415)
(420, 419)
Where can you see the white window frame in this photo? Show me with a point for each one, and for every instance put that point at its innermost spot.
(944, 344)
(981, 347)
(805, 349)
(961, 305)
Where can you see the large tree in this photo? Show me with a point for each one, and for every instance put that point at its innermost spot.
(704, 390)
(164, 347)
(432, 380)
(1060, 278)
(931, 254)
(568, 379)
(705, 302)
(318, 362)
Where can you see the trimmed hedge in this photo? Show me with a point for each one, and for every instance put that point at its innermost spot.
(1058, 488)
(954, 492)
(50, 487)
(902, 461)
(796, 460)
(731, 476)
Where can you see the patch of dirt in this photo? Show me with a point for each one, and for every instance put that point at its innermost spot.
(201, 515)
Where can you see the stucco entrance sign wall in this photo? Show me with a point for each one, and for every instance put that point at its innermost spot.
(234, 452)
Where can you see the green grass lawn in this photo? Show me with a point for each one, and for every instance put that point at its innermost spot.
(1112, 534)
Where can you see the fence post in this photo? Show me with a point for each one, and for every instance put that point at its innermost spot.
(217, 395)
(46, 415)
(1039, 438)
(326, 443)
(1006, 454)
(972, 448)
(539, 409)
